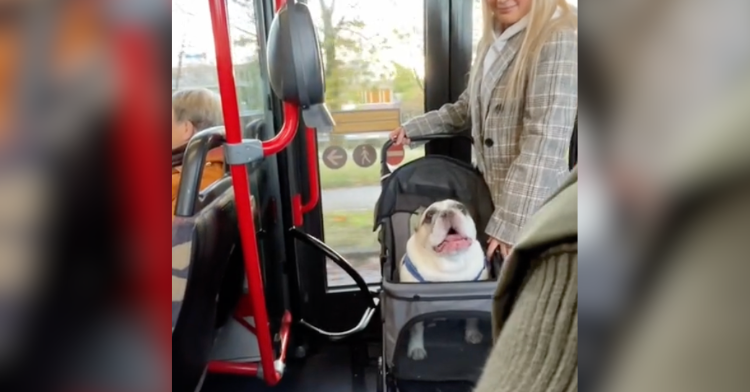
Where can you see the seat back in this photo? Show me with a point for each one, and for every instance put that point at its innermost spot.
(295, 66)
(207, 241)
(204, 243)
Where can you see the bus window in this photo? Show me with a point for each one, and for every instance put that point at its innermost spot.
(374, 63)
(194, 57)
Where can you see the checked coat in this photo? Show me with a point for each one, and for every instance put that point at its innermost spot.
(521, 155)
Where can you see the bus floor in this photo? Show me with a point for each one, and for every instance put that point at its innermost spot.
(335, 368)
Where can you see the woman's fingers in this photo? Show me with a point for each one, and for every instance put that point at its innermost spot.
(398, 136)
(491, 247)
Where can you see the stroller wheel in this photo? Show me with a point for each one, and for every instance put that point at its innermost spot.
(384, 383)
(381, 376)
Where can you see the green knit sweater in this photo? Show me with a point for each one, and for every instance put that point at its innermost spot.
(535, 314)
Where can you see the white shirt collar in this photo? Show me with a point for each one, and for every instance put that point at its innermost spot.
(514, 29)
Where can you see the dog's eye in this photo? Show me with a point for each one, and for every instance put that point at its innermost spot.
(428, 216)
(462, 208)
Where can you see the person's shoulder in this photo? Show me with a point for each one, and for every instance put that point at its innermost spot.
(556, 220)
(560, 38)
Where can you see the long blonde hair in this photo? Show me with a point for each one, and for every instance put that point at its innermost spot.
(542, 24)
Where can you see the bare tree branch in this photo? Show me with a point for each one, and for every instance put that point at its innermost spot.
(244, 31)
(182, 10)
(341, 27)
(328, 7)
(417, 78)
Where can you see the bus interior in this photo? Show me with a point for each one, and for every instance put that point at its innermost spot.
(276, 269)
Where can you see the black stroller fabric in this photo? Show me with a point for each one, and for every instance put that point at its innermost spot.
(424, 181)
(442, 307)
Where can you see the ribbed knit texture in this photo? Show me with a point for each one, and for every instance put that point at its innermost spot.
(537, 349)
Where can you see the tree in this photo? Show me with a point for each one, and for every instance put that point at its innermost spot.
(408, 87)
(250, 90)
(347, 54)
(177, 72)
(243, 24)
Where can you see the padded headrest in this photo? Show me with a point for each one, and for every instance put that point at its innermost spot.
(295, 66)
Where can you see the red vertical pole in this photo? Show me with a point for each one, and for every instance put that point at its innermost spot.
(240, 182)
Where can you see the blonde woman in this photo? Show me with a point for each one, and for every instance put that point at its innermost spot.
(521, 106)
(194, 110)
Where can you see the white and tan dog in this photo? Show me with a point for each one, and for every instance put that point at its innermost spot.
(443, 248)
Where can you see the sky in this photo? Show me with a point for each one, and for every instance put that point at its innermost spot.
(191, 24)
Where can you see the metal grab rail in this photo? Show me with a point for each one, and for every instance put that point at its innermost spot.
(299, 208)
(193, 163)
(271, 370)
(370, 300)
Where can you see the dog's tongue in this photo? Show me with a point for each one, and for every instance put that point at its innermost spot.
(452, 243)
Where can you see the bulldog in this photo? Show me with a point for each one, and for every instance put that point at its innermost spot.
(443, 248)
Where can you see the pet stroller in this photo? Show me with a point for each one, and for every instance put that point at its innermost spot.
(451, 363)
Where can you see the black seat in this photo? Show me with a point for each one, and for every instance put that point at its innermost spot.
(206, 265)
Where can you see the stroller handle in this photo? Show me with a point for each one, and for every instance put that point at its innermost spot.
(384, 170)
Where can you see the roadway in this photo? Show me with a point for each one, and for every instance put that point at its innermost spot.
(350, 199)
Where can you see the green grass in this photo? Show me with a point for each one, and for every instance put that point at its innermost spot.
(352, 176)
(350, 230)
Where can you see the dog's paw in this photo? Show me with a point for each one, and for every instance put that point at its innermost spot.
(473, 336)
(417, 353)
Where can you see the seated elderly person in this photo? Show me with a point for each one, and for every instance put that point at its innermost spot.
(194, 110)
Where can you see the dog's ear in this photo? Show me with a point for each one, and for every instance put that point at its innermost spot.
(416, 219)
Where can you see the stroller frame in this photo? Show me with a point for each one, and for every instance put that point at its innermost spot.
(403, 304)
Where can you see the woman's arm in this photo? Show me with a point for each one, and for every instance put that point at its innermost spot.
(450, 118)
(549, 114)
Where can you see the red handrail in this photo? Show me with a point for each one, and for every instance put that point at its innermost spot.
(240, 182)
(287, 133)
(300, 209)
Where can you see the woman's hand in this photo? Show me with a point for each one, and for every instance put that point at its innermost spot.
(398, 136)
(493, 244)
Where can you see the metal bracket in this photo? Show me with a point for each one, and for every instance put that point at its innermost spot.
(278, 367)
(249, 151)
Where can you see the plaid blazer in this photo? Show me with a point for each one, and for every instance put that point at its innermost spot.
(522, 156)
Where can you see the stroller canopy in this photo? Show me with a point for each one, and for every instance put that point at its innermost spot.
(430, 179)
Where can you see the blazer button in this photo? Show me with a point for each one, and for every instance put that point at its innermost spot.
(489, 142)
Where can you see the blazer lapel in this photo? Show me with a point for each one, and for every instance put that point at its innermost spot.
(476, 125)
(496, 72)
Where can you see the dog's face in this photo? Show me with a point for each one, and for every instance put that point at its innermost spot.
(446, 227)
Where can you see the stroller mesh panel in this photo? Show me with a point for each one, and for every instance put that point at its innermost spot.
(449, 356)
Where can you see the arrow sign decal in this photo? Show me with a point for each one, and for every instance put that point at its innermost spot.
(334, 157)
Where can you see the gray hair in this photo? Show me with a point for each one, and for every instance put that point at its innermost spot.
(200, 106)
